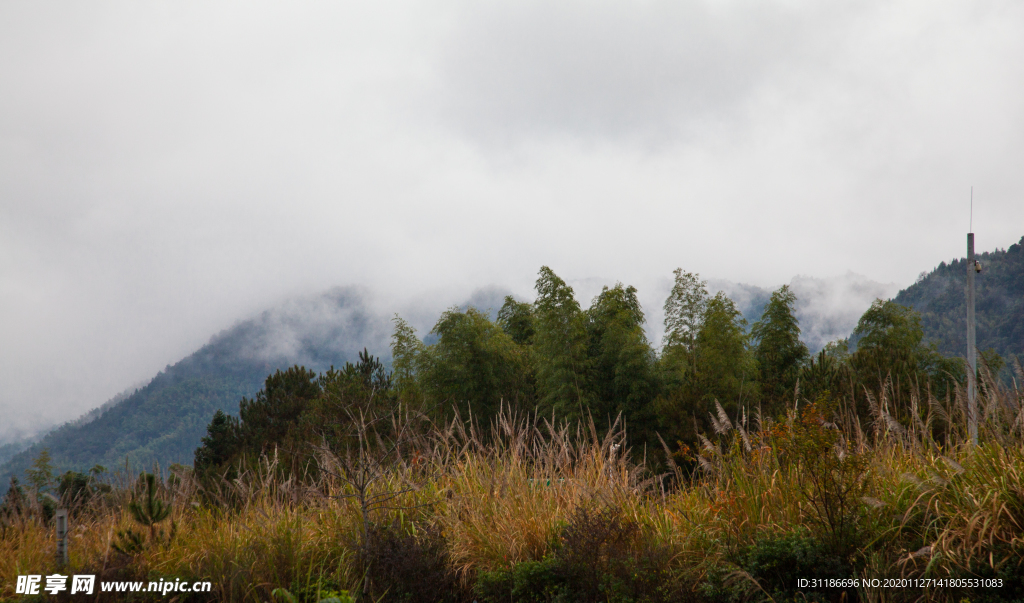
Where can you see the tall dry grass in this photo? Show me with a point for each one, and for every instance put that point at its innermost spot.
(931, 504)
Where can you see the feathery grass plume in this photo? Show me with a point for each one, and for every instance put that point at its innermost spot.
(502, 494)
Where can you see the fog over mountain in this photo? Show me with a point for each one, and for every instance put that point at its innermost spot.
(321, 330)
(167, 168)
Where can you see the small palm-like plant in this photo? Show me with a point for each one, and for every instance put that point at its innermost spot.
(151, 510)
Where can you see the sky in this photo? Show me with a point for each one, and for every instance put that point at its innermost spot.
(169, 168)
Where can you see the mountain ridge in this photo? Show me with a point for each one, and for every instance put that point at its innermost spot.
(940, 297)
(164, 419)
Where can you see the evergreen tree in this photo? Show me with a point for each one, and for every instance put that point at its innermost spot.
(15, 502)
(219, 445)
(265, 421)
(828, 371)
(150, 510)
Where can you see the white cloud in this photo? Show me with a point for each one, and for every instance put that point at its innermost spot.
(166, 169)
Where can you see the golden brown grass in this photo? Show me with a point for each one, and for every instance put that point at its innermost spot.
(934, 506)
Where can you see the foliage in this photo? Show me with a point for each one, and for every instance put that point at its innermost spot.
(778, 350)
(560, 346)
(295, 408)
(147, 512)
(474, 366)
(40, 475)
(624, 379)
(405, 353)
(684, 315)
(725, 369)
(777, 562)
(409, 567)
(706, 360)
(831, 476)
(219, 444)
(76, 489)
(536, 511)
(599, 556)
(15, 502)
(940, 299)
(377, 484)
(516, 319)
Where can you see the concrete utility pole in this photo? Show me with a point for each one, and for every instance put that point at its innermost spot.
(61, 525)
(972, 351)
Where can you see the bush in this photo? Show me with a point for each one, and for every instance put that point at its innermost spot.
(599, 556)
(831, 477)
(411, 568)
(777, 564)
(527, 582)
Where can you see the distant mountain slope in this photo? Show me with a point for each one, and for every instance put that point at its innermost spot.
(165, 420)
(827, 308)
(999, 303)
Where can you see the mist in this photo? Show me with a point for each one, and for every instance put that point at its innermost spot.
(169, 169)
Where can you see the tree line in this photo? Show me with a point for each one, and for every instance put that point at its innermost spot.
(557, 359)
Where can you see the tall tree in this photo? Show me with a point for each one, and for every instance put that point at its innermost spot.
(474, 365)
(889, 341)
(266, 420)
(516, 319)
(706, 358)
(40, 475)
(684, 313)
(725, 370)
(623, 376)
(406, 349)
(892, 357)
(219, 445)
(560, 346)
(779, 352)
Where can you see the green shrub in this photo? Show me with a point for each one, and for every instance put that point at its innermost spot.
(527, 582)
(776, 564)
(600, 556)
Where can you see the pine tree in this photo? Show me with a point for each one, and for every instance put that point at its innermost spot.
(219, 445)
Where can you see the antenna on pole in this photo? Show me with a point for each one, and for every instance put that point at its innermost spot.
(972, 351)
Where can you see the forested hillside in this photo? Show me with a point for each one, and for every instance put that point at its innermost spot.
(503, 449)
(621, 368)
(571, 363)
(940, 299)
(164, 420)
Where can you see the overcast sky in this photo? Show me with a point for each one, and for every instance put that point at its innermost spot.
(167, 168)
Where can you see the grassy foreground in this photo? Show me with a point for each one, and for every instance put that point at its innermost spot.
(532, 511)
